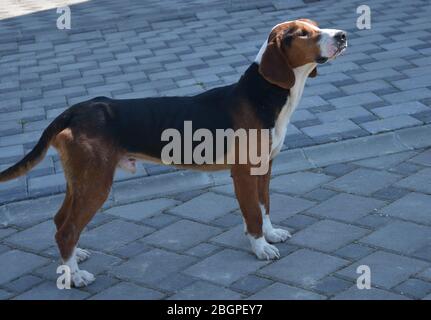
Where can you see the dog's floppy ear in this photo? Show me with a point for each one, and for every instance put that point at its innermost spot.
(313, 73)
(274, 66)
(314, 23)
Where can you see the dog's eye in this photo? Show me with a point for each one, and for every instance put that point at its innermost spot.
(303, 34)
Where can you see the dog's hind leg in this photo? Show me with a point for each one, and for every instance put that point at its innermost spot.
(247, 193)
(89, 169)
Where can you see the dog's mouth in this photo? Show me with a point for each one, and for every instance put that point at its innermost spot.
(338, 51)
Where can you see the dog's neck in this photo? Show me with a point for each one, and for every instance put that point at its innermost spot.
(266, 98)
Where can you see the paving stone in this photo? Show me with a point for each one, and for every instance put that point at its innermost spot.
(279, 291)
(153, 266)
(385, 162)
(346, 207)
(113, 235)
(103, 282)
(16, 263)
(390, 193)
(399, 109)
(423, 158)
(203, 250)
(49, 291)
(4, 294)
(160, 220)
(372, 294)
(332, 285)
(363, 181)
(320, 194)
(354, 251)
(389, 124)
(181, 235)
(131, 249)
(127, 291)
(413, 206)
(423, 253)
(229, 220)
(206, 207)
(327, 235)
(421, 181)
(176, 282)
(31, 212)
(4, 232)
(299, 221)
(330, 128)
(251, 284)
(282, 206)
(387, 269)
(298, 183)
(300, 267)
(339, 169)
(37, 238)
(22, 284)
(343, 114)
(201, 290)
(141, 210)
(404, 237)
(414, 288)
(214, 268)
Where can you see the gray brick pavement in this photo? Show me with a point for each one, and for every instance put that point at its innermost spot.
(169, 234)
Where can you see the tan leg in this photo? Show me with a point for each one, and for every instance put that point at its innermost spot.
(89, 172)
(272, 235)
(247, 193)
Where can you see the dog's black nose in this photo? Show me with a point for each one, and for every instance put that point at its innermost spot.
(341, 37)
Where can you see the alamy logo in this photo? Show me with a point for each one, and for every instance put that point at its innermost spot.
(64, 20)
(249, 146)
(364, 280)
(364, 20)
(64, 280)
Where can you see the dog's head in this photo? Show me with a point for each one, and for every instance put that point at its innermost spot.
(294, 44)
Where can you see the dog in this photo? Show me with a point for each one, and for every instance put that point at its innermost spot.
(95, 137)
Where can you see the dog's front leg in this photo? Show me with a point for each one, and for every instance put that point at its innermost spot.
(271, 234)
(247, 193)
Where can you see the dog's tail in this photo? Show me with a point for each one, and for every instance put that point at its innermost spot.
(39, 151)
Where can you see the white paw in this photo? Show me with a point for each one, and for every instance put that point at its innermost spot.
(82, 254)
(82, 278)
(277, 235)
(263, 249)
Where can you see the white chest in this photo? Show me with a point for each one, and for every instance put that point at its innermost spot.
(278, 133)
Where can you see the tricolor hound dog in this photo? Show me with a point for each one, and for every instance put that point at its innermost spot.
(96, 136)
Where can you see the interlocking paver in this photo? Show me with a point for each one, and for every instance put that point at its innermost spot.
(127, 291)
(101, 237)
(388, 269)
(300, 267)
(181, 235)
(404, 237)
(152, 267)
(141, 210)
(414, 206)
(327, 235)
(201, 290)
(363, 181)
(420, 181)
(280, 291)
(206, 207)
(15, 263)
(346, 207)
(215, 268)
(324, 193)
(299, 182)
(372, 294)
